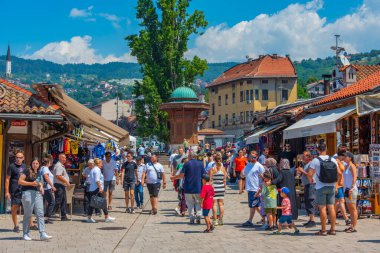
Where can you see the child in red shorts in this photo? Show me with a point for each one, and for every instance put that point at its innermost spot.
(207, 199)
(286, 216)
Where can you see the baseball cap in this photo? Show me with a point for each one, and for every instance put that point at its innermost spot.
(285, 190)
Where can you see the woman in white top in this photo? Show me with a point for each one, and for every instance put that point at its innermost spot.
(350, 190)
(95, 178)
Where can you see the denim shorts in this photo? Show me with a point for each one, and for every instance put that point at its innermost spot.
(339, 194)
(205, 212)
(285, 218)
(252, 200)
(326, 196)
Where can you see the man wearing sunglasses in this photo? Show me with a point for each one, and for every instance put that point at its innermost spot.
(253, 173)
(12, 188)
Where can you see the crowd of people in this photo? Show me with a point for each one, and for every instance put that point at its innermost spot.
(42, 187)
(200, 178)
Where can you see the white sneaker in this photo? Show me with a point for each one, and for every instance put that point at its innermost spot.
(26, 237)
(215, 223)
(110, 219)
(44, 236)
(90, 220)
(177, 211)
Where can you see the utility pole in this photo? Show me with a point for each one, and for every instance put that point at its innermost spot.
(337, 51)
(117, 105)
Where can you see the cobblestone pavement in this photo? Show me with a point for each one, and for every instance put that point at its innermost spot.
(167, 232)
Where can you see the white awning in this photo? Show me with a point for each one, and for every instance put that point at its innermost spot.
(254, 138)
(317, 123)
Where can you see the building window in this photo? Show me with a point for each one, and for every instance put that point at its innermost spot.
(264, 81)
(247, 95)
(265, 95)
(213, 109)
(241, 96)
(241, 117)
(241, 83)
(284, 81)
(226, 99)
(246, 117)
(220, 100)
(251, 95)
(233, 98)
(226, 120)
(284, 95)
(249, 81)
(233, 86)
(220, 120)
(233, 118)
(256, 94)
(213, 124)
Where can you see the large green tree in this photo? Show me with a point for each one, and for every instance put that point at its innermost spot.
(160, 48)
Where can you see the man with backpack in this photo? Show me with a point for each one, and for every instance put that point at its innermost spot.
(326, 170)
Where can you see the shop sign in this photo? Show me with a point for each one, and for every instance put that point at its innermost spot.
(18, 123)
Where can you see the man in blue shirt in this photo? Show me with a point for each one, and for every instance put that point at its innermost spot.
(192, 172)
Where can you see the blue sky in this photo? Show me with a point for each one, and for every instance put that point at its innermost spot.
(93, 31)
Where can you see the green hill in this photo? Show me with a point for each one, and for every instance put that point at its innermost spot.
(75, 75)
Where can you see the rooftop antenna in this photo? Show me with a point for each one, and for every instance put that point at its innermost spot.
(337, 50)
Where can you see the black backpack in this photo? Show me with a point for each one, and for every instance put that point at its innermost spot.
(328, 172)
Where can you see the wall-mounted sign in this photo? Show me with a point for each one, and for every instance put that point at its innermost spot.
(18, 127)
(19, 123)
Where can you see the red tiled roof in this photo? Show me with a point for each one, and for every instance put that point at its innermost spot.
(18, 100)
(364, 85)
(266, 66)
(210, 131)
(363, 70)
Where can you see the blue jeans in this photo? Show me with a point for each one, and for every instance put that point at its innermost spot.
(139, 195)
(33, 200)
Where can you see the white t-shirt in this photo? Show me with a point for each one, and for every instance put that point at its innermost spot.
(109, 170)
(151, 174)
(45, 170)
(252, 174)
(316, 166)
(140, 170)
(94, 177)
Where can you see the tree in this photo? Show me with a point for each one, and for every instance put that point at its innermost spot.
(160, 47)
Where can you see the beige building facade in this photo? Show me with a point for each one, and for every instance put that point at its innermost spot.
(245, 89)
(108, 109)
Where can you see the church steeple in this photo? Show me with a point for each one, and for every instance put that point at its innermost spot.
(8, 65)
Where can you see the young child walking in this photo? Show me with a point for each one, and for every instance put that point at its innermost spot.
(286, 212)
(269, 195)
(207, 199)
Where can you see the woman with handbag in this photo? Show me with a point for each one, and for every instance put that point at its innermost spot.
(31, 182)
(95, 178)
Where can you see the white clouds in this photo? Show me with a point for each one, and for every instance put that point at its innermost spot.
(297, 30)
(89, 16)
(77, 50)
(81, 13)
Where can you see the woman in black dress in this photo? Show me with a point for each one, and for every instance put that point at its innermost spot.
(285, 178)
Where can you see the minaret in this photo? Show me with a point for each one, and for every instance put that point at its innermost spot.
(8, 65)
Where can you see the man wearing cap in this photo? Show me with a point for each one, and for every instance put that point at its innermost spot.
(253, 172)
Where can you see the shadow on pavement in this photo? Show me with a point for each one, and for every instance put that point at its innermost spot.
(191, 232)
(5, 230)
(371, 241)
(13, 238)
(174, 222)
(112, 228)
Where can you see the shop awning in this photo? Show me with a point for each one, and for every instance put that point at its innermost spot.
(99, 126)
(318, 123)
(255, 138)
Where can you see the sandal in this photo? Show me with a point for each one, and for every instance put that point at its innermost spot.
(207, 231)
(34, 227)
(321, 233)
(350, 230)
(109, 207)
(331, 232)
